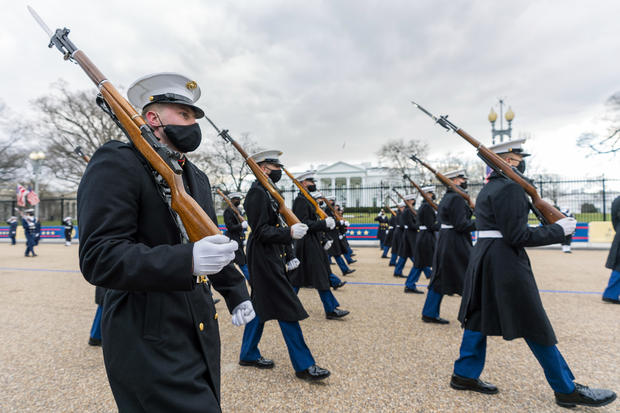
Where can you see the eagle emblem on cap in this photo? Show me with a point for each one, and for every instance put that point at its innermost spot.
(191, 85)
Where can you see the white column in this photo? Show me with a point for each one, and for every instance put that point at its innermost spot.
(333, 187)
(348, 192)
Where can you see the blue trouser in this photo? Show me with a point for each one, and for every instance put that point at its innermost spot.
(380, 243)
(327, 298)
(343, 267)
(95, 330)
(400, 265)
(613, 287)
(414, 276)
(473, 352)
(393, 258)
(385, 251)
(298, 351)
(347, 256)
(432, 304)
(12, 236)
(334, 281)
(29, 245)
(245, 271)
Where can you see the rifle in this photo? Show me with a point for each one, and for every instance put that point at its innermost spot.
(287, 214)
(195, 220)
(446, 181)
(390, 209)
(425, 195)
(406, 203)
(77, 150)
(392, 199)
(331, 207)
(544, 211)
(317, 208)
(230, 204)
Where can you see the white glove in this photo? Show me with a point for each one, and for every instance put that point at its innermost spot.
(243, 313)
(213, 253)
(298, 231)
(568, 225)
(331, 224)
(244, 225)
(347, 224)
(328, 244)
(292, 264)
(340, 236)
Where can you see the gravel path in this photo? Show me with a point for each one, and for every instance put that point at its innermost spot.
(382, 357)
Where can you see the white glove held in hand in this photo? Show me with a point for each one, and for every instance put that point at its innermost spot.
(243, 313)
(331, 224)
(299, 230)
(213, 253)
(244, 225)
(347, 224)
(328, 244)
(292, 264)
(568, 225)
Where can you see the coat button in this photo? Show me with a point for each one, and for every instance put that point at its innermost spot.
(201, 326)
(215, 316)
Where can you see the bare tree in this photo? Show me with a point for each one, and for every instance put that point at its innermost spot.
(395, 154)
(224, 165)
(12, 157)
(474, 167)
(70, 119)
(611, 142)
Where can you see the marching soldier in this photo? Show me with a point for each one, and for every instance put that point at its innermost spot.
(408, 238)
(235, 230)
(424, 248)
(612, 292)
(397, 236)
(273, 295)
(453, 248)
(68, 225)
(500, 296)
(383, 226)
(160, 334)
(12, 223)
(389, 233)
(29, 222)
(336, 249)
(314, 269)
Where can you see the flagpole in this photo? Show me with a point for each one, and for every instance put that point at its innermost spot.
(37, 160)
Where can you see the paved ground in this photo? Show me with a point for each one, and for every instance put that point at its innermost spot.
(382, 357)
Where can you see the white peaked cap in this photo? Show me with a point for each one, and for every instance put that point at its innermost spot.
(428, 188)
(456, 173)
(316, 194)
(409, 197)
(67, 219)
(306, 175)
(514, 146)
(271, 156)
(235, 195)
(331, 198)
(165, 88)
(401, 204)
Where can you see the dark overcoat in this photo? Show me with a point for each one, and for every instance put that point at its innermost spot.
(613, 259)
(334, 234)
(314, 269)
(272, 294)
(383, 226)
(424, 248)
(500, 297)
(234, 231)
(389, 232)
(397, 234)
(161, 343)
(12, 228)
(409, 234)
(454, 245)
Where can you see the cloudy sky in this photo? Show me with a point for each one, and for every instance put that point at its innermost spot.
(332, 80)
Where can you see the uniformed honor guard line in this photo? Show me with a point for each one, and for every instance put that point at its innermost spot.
(319, 211)
(196, 222)
(545, 212)
(446, 181)
(413, 211)
(230, 204)
(337, 214)
(425, 195)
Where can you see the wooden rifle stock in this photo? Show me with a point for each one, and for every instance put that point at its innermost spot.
(195, 220)
(446, 181)
(337, 214)
(317, 208)
(390, 209)
(230, 204)
(425, 195)
(405, 201)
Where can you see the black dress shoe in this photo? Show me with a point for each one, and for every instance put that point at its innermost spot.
(313, 373)
(400, 276)
(349, 271)
(463, 383)
(335, 287)
(261, 363)
(611, 300)
(436, 320)
(585, 396)
(94, 342)
(336, 314)
(413, 291)
(352, 262)
(384, 257)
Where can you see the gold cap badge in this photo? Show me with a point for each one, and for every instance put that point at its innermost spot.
(191, 85)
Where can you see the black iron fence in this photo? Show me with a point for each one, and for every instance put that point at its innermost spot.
(588, 199)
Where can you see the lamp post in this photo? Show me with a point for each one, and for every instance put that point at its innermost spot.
(510, 115)
(37, 160)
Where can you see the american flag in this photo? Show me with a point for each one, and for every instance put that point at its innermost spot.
(21, 195)
(32, 197)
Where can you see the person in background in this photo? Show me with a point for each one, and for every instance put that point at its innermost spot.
(235, 230)
(612, 292)
(12, 223)
(29, 223)
(68, 224)
(383, 226)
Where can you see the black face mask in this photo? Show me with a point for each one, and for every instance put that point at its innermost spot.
(311, 188)
(433, 197)
(186, 138)
(236, 202)
(521, 166)
(275, 175)
(463, 185)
